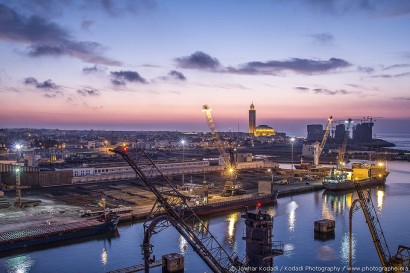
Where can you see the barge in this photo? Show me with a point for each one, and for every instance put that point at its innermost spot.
(53, 233)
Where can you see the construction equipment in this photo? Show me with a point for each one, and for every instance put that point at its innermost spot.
(231, 187)
(318, 147)
(397, 263)
(342, 150)
(178, 214)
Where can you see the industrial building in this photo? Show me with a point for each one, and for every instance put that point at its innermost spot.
(363, 132)
(340, 133)
(315, 132)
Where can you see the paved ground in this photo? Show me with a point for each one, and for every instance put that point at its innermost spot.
(62, 204)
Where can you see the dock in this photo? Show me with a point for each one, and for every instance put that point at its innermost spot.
(136, 268)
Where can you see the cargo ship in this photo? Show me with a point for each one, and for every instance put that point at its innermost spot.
(53, 233)
(364, 173)
(240, 202)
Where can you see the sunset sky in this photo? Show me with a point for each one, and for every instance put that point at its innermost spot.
(151, 65)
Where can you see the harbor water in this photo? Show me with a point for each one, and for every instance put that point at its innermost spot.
(293, 225)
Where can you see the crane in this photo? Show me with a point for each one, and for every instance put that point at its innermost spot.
(175, 206)
(342, 150)
(230, 186)
(400, 261)
(318, 148)
(229, 166)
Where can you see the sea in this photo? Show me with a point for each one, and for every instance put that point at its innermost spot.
(293, 223)
(402, 141)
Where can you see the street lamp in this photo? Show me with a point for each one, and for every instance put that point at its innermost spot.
(17, 170)
(292, 140)
(271, 173)
(183, 160)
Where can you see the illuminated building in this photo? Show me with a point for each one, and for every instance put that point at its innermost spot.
(261, 130)
(252, 119)
(264, 130)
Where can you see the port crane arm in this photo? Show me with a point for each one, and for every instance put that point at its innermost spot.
(319, 151)
(216, 137)
(342, 151)
(184, 218)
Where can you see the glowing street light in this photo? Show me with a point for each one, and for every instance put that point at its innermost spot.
(18, 170)
(183, 160)
(271, 173)
(292, 140)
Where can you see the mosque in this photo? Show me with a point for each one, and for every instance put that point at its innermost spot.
(261, 130)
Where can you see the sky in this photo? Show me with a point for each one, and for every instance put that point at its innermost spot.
(152, 64)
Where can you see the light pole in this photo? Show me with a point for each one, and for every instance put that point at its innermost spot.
(292, 140)
(271, 173)
(183, 160)
(18, 191)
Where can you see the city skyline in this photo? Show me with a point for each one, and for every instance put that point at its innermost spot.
(151, 65)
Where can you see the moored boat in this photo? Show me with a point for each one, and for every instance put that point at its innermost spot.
(363, 173)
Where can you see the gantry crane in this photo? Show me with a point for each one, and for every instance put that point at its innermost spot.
(231, 187)
(342, 150)
(318, 147)
(174, 205)
(399, 262)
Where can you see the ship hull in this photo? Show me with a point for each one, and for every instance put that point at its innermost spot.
(348, 184)
(48, 234)
(236, 204)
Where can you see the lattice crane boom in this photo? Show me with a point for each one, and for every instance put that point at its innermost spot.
(319, 148)
(217, 139)
(174, 204)
(342, 151)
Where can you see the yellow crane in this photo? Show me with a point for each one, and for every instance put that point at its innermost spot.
(318, 147)
(230, 187)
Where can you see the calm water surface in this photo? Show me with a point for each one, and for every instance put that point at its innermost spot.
(293, 225)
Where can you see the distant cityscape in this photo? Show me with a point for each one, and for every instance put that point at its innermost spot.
(80, 153)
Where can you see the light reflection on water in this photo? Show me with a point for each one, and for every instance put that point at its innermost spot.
(104, 256)
(20, 264)
(291, 208)
(344, 248)
(183, 245)
(232, 221)
(380, 197)
(326, 253)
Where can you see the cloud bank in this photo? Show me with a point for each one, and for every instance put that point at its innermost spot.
(202, 61)
(45, 38)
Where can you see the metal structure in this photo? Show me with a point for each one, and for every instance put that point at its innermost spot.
(229, 166)
(342, 151)
(319, 147)
(402, 258)
(230, 187)
(178, 214)
(260, 249)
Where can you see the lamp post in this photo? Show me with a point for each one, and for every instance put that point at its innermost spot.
(292, 140)
(18, 191)
(271, 173)
(183, 160)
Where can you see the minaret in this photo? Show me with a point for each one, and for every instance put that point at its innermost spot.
(252, 119)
